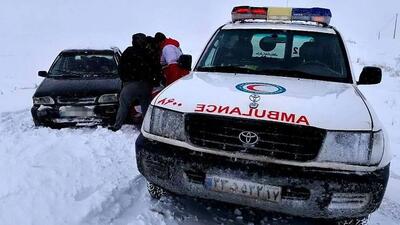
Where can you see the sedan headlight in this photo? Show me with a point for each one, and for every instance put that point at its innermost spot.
(354, 148)
(108, 98)
(47, 100)
(164, 123)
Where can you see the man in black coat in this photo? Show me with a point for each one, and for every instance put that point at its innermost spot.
(154, 51)
(137, 73)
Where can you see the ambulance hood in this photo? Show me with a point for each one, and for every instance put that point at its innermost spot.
(322, 104)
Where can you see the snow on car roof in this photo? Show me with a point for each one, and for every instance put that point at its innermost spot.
(280, 26)
(86, 50)
(79, 50)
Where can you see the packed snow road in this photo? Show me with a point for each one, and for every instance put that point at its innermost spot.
(89, 176)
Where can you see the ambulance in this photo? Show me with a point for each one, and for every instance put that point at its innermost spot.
(271, 117)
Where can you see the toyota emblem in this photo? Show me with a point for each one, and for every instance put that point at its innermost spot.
(254, 101)
(248, 138)
(254, 98)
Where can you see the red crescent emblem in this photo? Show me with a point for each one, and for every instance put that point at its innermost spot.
(253, 87)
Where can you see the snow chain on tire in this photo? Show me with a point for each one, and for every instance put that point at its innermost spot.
(155, 191)
(357, 221)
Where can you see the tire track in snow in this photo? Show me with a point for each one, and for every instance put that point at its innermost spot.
(119, 200)
(181, 210)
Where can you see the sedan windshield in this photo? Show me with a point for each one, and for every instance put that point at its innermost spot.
(299, 54)
(84, 65)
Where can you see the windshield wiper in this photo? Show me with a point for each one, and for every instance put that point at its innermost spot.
(227, 69)
(276, 72)
(285, 72)
(102, 74)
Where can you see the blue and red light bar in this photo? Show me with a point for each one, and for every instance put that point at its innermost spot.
(318, 15)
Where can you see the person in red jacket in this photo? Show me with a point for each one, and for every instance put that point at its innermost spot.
(170, 53)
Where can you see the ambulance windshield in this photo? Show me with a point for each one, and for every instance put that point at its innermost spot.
(300, 54)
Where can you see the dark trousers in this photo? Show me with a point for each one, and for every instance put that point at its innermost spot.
(135, 90)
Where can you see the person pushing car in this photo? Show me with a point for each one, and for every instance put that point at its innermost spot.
(136, 70)
(170, 54)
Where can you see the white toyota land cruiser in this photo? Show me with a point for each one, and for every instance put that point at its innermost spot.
(271, 117)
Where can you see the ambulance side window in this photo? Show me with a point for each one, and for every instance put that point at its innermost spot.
(210, 58)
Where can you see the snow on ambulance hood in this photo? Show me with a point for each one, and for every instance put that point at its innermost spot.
(322, 104)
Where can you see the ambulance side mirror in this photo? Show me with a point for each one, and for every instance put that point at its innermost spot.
(370, 75)
(185, 61)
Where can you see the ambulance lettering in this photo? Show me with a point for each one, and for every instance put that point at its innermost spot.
(288, 118)
(169, 101)
(223, 109)
(200, 108)
(253, 113)
(211, 108)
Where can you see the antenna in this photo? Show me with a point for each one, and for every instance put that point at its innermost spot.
(395, 26)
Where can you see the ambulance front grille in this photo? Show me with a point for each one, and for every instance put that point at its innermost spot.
(276, 140)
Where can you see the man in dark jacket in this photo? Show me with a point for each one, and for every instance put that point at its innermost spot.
(154, 52)
(137, 74)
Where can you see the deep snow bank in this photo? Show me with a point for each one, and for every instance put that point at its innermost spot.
(60, 176)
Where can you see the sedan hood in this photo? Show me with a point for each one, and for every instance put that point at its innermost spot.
(322, 104)
(78, 87)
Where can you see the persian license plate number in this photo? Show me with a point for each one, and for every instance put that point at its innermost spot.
(244, 188)
(76, 112)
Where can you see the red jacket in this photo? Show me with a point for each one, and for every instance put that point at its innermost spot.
(172, 71)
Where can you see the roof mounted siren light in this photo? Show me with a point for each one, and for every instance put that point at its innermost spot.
(318, 15)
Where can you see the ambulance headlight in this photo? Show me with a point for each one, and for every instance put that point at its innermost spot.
(355, 148)
(164, 123)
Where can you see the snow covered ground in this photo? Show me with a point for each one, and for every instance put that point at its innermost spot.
(89, 176)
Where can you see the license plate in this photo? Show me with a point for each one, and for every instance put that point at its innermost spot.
(244, 188)
(75, 111)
